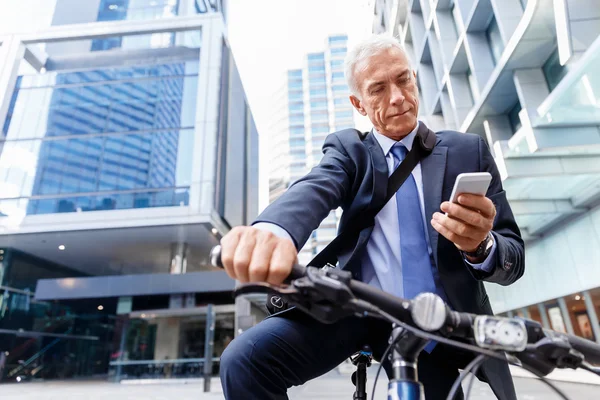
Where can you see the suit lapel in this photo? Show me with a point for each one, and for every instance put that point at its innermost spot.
(433, 169)
(380, 170)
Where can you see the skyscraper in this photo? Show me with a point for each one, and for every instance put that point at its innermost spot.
(522, 75)
(315, 104)
(127, 149)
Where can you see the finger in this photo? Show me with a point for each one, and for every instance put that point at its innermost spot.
(480, 203)
(468, 215)
(460, 228)
(284, 257)
(229, 244)
(261, 257)
(243, 255)
(461, 242)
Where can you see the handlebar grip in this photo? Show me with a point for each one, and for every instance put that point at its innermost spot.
(298, 271)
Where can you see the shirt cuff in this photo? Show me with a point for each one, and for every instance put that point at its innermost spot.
(487, 265)
(274, 229)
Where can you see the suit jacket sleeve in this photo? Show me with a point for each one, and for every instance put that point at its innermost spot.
(509, 259)
(309, 200)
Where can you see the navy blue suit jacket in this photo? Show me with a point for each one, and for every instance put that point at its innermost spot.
(353, 174)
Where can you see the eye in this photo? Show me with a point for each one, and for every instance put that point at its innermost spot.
(377, 90)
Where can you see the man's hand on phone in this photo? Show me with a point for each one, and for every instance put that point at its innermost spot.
(468, 222)
(253, 255)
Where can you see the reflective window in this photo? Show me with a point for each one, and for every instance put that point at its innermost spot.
(318, 104)
(340, 88)
(513, 117)
(297, 130)
(317, 68)
(341, 101)
(342, 50)
(295, 142)
(297, 118)
(338, 39)
(316, 56)
(337, 63)
(337, 76)
(296, 107)
(295, 73)
(89, 140)
(343, 114)
(494, 40)
(320, 129)
(318, 92)
(553, 71)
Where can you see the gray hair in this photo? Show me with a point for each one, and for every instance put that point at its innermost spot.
(360, 53)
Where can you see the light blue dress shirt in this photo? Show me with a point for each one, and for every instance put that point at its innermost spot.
(381, 262)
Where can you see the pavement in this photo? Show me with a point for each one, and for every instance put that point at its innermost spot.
(331, 386)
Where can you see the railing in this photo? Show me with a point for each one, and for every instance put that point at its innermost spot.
(161, 369)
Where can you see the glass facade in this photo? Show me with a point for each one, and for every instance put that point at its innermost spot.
(494, 40)
(513, 117)
(553, 71)
(100, 139)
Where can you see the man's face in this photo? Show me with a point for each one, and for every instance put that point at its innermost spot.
(388, 93)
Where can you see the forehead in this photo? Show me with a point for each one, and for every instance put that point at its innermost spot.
(384, 63)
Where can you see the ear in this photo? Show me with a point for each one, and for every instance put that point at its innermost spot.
(358, 105)
(415, 73)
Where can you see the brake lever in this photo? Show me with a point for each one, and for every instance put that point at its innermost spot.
(550, 353)
(323, 294)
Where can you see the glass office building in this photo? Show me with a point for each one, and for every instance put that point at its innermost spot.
(523, 75)
(127, 149)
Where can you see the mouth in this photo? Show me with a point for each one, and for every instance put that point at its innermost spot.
(398, 114)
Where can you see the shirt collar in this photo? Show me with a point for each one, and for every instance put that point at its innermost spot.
(386, 143)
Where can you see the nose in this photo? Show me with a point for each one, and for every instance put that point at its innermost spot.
(397, 97)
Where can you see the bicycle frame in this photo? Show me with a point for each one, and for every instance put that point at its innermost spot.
(405, 384)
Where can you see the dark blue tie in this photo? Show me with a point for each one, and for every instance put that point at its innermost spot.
(417, 274)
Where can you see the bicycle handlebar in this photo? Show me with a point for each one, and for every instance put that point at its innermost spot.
(430, 313)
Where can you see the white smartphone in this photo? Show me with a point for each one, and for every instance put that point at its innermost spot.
(471, 182)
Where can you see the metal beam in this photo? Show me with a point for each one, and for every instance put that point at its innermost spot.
(118, 28)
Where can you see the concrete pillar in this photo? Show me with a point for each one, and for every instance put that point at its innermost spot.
(544, 315)
(178, 258)
(591, 310)
(497, 128)
(448, 111)
(448, 35)
(532, 90)
(584, 25)
(508, 14)
(11, 54)
(480, 58)
(510, 314)
(460, 92)
(525, 312)
(167, 339)
(564, 310)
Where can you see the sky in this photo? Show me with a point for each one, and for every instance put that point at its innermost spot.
(267, 37)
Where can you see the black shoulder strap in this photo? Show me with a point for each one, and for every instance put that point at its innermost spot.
(422, 146)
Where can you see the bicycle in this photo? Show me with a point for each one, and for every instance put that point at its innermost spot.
(331, 294)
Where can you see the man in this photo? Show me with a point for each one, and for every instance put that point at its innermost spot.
(413, 247)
